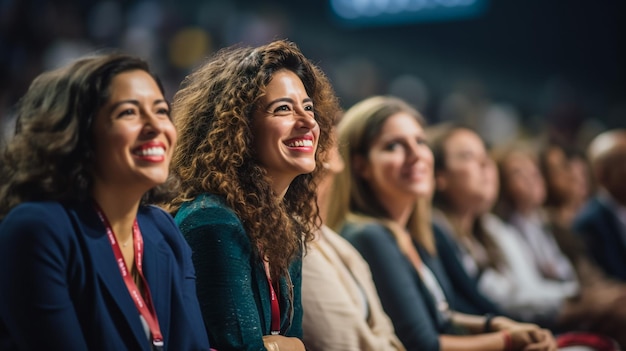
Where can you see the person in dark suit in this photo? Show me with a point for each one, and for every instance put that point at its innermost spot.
(86, 264)
(602, 221)
(255, 128)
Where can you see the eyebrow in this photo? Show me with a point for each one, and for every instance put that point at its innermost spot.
(286, 99)
(136, 103)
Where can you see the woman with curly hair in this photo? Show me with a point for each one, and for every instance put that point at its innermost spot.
(86, 265)
(255, 128)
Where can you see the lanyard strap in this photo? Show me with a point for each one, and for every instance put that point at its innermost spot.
(145, 307)
(275, 327)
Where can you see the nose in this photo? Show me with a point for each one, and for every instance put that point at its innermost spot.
(306, 119)
(153, 125)
(413, 153)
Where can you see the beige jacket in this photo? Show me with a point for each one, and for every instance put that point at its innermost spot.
(333, 303)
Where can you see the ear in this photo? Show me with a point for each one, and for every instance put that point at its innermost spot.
(360, 166)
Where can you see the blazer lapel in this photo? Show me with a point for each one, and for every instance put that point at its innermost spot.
(108, 271)
(156, 269)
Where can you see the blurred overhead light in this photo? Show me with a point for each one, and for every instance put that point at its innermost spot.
(373, 12)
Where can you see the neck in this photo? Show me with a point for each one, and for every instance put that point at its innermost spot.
(563, 215)
(399, 210)
(525, 210)
(462, 220)
(120, 210)
(280, 186)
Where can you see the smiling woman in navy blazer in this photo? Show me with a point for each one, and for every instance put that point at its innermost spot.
(85, 264)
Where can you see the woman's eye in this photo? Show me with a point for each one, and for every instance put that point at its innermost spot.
(391, 146)
(282, 108)
(127, 112)
(308, 108)
(164, 111)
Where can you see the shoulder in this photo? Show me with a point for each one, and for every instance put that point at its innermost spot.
(205, 210)
(36, 225)
(157, 214)
(592, 211)
(367, 230)
(35, 210)
(369, 236)
(207, 222)
(337, 242)
(36, 215)
(152, 215)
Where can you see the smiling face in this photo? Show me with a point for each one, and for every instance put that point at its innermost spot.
(286, 132)
(399, 163)
(133, 135)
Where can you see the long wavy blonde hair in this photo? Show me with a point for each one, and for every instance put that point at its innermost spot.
(354, 200)
(215, 154)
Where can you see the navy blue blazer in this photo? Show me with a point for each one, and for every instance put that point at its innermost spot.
(404, 296)
(600, 228)
(468, 298)
(61, 289)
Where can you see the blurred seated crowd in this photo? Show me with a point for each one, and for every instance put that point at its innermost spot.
(383, 232)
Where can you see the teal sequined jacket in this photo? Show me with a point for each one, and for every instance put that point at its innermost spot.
(232, 287)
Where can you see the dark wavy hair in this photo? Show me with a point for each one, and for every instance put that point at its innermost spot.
(213, 115)
(50, 157)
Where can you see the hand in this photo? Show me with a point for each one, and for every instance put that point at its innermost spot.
(528, 337)
(282, 343)
(503, 323)
(544, 341)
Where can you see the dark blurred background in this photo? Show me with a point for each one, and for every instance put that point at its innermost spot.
(508, 68)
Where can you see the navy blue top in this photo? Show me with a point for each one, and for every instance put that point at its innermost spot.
(468, 298)
(404, 296)
(602, 233)
(61, 288)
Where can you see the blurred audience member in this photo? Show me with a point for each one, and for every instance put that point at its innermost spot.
(506, 265)
(342, 310)
(382, 198)
(568, 182)
(602, 222)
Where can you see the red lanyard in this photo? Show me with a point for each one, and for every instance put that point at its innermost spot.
(275, 328)
(146, 308)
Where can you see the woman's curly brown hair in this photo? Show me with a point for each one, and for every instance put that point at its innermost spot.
(213, 115)
(50, 156)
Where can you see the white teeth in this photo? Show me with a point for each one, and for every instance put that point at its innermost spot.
(153, 151)
(301, 143)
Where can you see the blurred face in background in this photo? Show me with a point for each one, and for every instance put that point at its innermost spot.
(469, 176)
(559, 177)
(523, 182)
(613, 176)
(399, 163)
(491, 188)
(581, 177)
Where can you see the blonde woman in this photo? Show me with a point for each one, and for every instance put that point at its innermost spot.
(383, 198)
